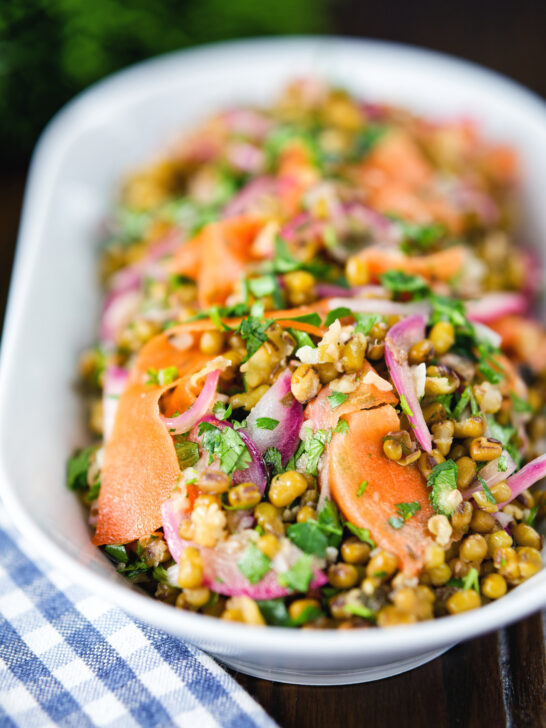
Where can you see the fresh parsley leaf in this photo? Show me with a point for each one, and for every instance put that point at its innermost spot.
(404, 406)
(442, 480)
(187, 452)
(299, 575)
(342, 427)
(221, 412)
(272, 457)
(254, 564)
(361, 488)
(266, 423)
(365, 322)
(118, 552)
(467, 397)
(309, 537)
(134, 569)
(336, 399)
(396, 522)
(445, 400)
(407, 510)
(93, 493)
(361, 533)
(399, 282)
(336, 314)
(77, 467)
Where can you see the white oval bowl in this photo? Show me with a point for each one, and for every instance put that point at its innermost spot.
(54, 302)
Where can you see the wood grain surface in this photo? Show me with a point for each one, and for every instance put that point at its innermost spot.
(498, 679)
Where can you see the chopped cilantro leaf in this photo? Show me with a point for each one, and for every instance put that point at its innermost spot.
(396, 522)
(254, 564)
(406, 409)
(442, 480)
(118, 552)
(161, 377)
(532, 515)
(502, 466)
(336, 399)
(361, 488)
(407, 510)
(329, 521)
(276, 614)
(520, 405)
(342, 427)
(399, 282)
(187, 452)
(360, 610)
(272, 457)
(336, 314)
(490, 497)
(361, 533)
(309, 537)
(302, 338)
(313, 319)
(77, 467)
(252, 330)
(227, 445)
(299, 575)
(221, 412)
(266, 423)
(471, 580)
(313, 447)
(365, 322)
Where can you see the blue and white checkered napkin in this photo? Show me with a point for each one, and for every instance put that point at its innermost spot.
(69, 659)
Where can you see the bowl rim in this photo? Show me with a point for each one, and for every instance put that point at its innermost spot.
(199, 628)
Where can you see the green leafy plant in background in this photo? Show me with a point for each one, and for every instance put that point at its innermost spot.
(51, 49)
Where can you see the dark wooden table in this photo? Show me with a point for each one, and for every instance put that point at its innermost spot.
(496, 680)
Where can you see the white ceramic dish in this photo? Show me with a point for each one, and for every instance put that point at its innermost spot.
(54, 302)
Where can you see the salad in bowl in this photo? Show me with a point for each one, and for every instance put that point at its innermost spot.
(319, 390)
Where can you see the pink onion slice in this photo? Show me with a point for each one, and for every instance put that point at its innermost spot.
(328, 290)
(526, 477)
(491, 474)
(115, 381)
(250, 196)
(220, 570)
(256, 472)
(285, 436)
(381, 306)
(118, 311)
(203, 403)
(493, 306)
(132, 275)
(397, 345)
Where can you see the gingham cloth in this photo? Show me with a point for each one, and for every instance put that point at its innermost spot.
(68, 658)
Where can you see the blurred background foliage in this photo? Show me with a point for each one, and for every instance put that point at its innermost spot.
(51, 49)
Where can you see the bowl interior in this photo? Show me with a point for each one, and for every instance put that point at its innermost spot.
(54, 301)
